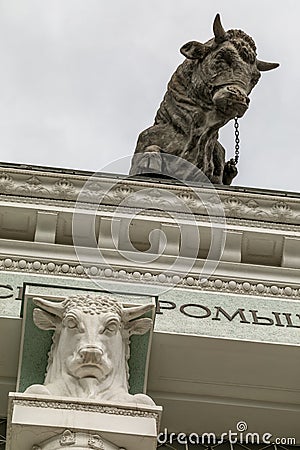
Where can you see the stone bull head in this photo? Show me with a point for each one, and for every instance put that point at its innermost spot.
(208, 89)
(90, 349)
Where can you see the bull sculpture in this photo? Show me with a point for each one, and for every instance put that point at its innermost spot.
(207, 90)
(91, 347)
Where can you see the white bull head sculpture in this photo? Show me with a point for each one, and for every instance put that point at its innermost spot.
(90, 350)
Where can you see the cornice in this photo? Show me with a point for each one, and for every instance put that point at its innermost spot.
(65, 189)
(45, 204)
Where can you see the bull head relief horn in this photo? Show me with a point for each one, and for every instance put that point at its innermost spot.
(219, 32)
(55, 308)
(135, 311)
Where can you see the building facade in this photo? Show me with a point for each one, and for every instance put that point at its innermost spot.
(221, 264)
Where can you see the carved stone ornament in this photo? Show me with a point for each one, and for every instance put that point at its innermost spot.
(91, 347)
(207, 90)
(67, 438)
(79, 441)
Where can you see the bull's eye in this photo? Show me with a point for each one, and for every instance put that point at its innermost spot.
(112, 327)
(70, 322)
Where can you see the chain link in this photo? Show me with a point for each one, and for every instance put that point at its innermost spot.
(237, 140)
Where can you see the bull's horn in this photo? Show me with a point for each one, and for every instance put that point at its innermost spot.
(219, 32)
(55, 308)
(263, 66)
(135, 311)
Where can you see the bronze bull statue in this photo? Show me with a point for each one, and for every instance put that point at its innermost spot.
(207, 90)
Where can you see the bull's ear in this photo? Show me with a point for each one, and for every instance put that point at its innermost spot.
(44, 320)
(139, 326)
(194, 50)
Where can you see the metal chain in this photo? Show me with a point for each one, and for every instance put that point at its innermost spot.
(237, 140)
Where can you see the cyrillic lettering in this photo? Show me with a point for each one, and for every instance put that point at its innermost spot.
(238, 312)
(278, 319)
(257, 319)
(289, 321)
(163, 304)
(194, 305)
(7, 294)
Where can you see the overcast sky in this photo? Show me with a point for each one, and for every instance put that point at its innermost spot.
(80, 79)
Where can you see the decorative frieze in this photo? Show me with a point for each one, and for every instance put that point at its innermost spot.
(249, 204)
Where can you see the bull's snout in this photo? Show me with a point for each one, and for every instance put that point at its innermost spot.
(90, 355)
(89, 361)
(231, 101)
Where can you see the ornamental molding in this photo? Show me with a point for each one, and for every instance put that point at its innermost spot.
(269, 207)
(234, 222)
(142, 411)
(191, 281)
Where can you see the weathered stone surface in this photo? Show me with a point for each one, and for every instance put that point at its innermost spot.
(90, 349)
(207, 90)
